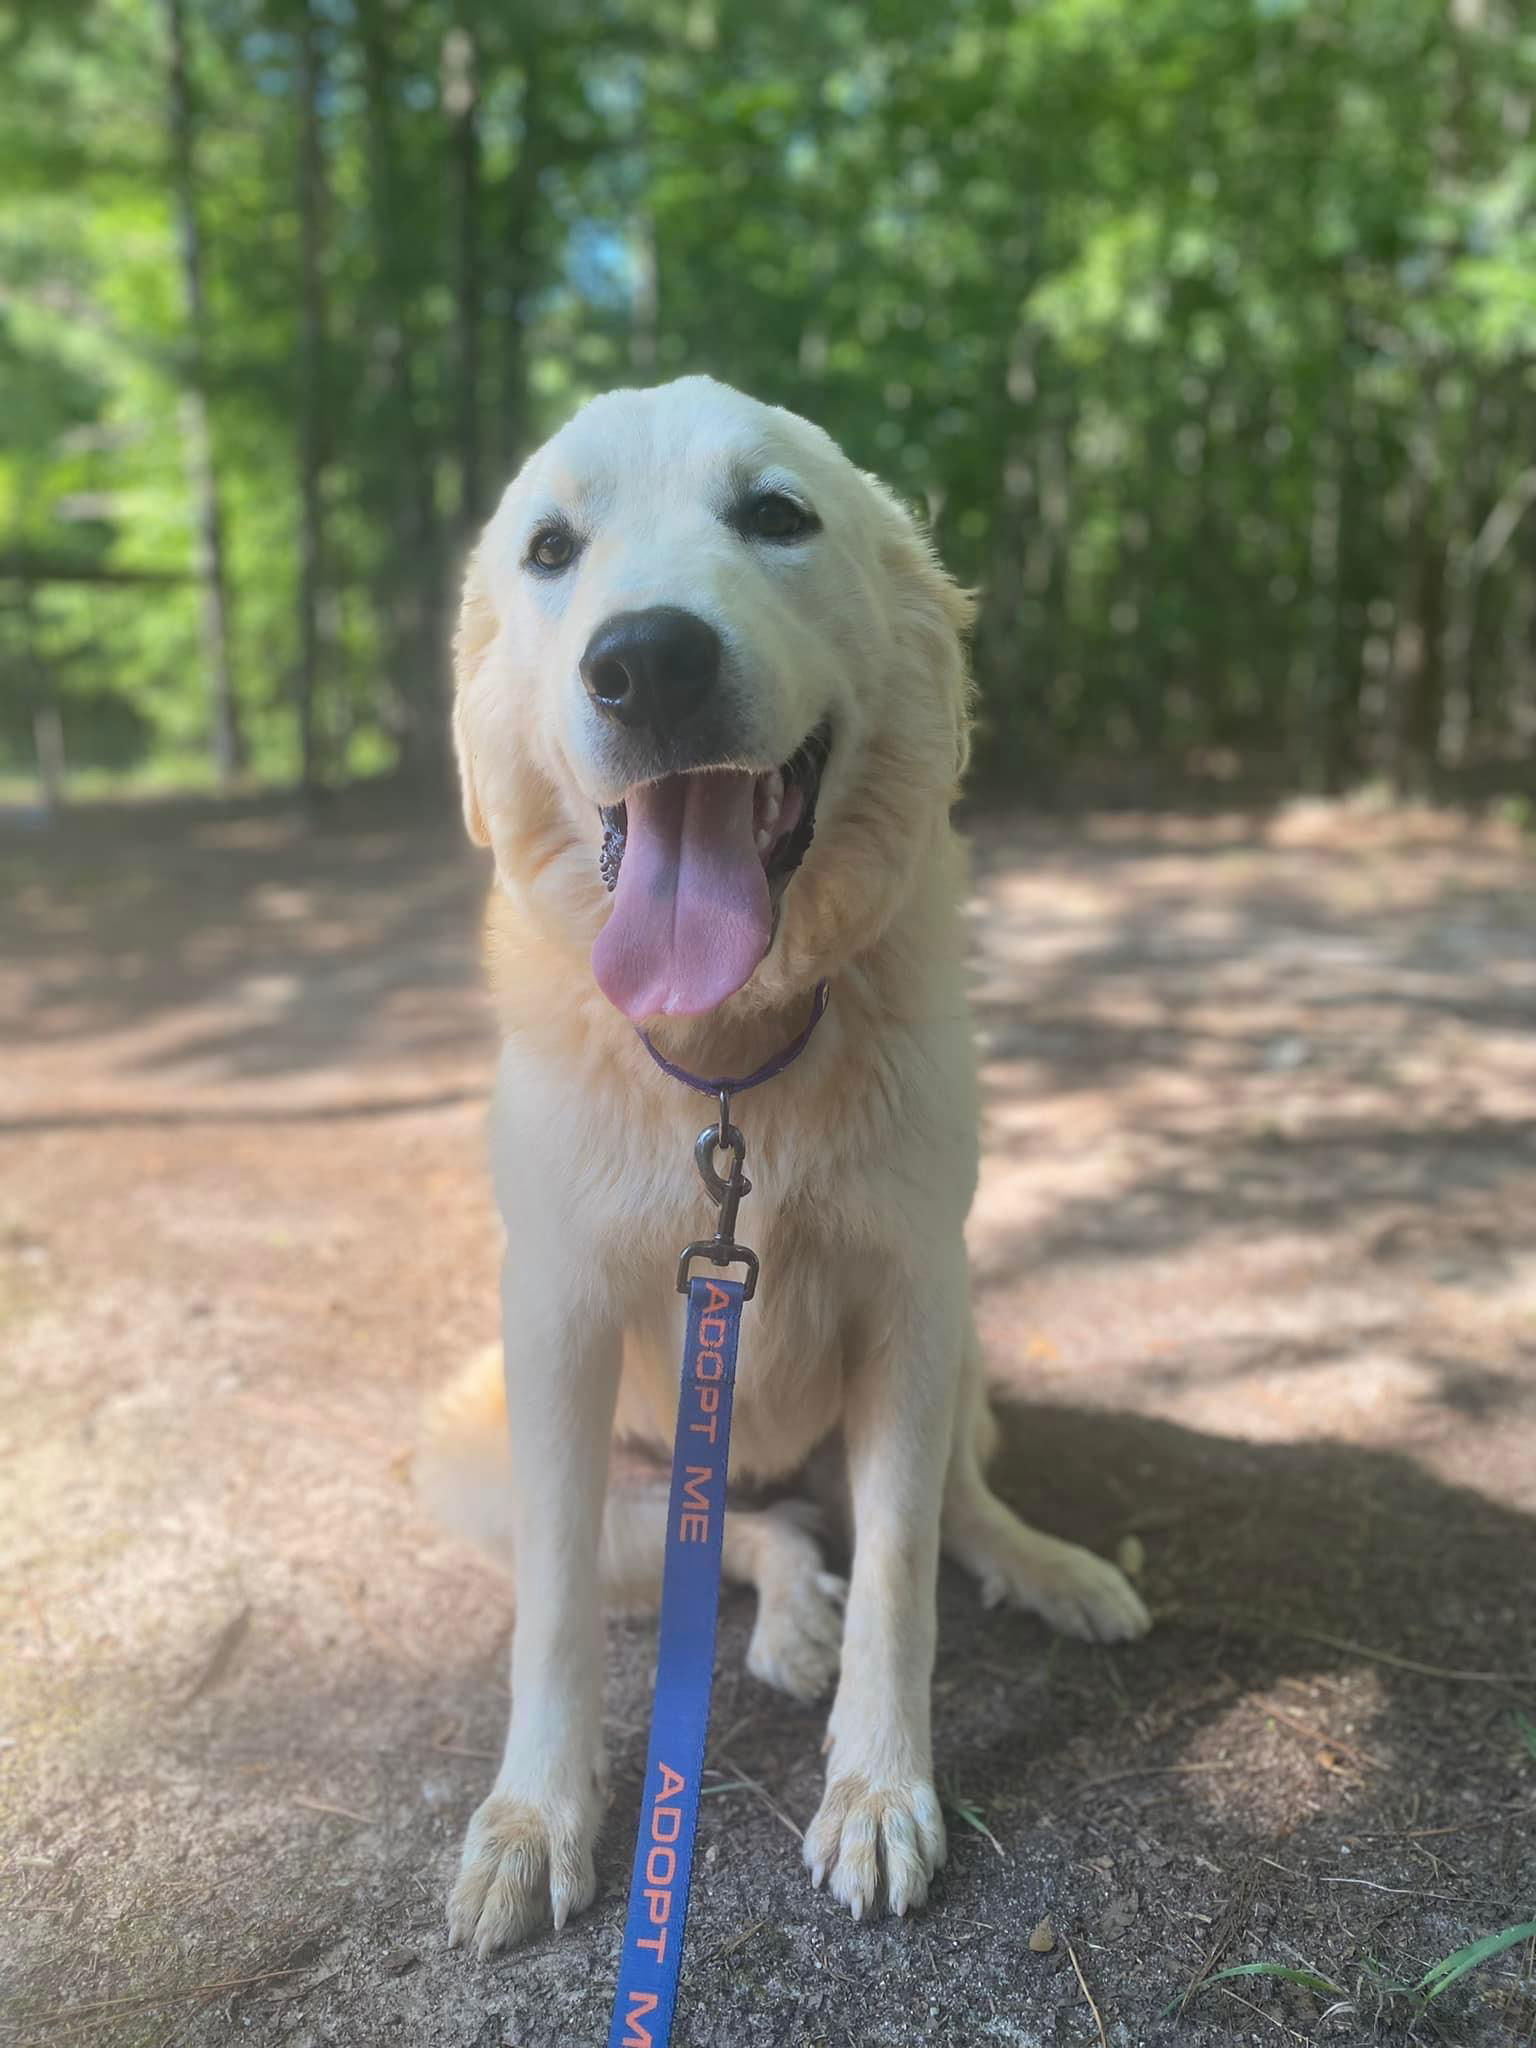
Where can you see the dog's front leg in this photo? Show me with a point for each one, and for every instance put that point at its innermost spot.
(529, 1846)
(880, 1816)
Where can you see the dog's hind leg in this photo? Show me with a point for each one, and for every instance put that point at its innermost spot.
(464, 1472)
(797, 1637)
(1069, 1587)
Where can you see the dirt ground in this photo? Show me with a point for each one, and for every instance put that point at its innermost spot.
(1256, 1265)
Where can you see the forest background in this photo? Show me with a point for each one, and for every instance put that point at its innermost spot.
(1203, 332)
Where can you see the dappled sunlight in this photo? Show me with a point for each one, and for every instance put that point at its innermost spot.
(1359, 1394)
(249, 954)
(1253, 1273)
(1199, 342)
(1303, 1748)
(1261, 1132)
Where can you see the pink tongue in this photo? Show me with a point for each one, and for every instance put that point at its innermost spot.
(691, 917)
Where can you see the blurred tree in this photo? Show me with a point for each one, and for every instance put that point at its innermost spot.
(208, 510)
(314, 396)
(1205, 334)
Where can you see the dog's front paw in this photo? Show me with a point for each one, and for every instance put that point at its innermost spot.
(866, 1833)
(522, 1864)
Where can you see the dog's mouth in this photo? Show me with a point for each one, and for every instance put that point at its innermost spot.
(783, 812)
(697, 864)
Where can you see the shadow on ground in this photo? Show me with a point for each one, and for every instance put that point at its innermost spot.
(1316, 1759)
(1253, 1258)
(242, 942)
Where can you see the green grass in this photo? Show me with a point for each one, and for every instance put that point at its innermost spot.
(1439, 1977)
(1314, 1980)
(1435, 1982)
(971, 1817)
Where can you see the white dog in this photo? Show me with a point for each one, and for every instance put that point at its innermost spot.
(692, 633)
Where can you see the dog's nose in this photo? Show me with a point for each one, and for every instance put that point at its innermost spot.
(652, 668)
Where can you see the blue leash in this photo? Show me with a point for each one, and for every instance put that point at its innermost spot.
(690, 1597)
(652, 1957)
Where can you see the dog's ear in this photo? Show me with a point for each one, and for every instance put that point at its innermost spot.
(934, 621)
(959, 608)
(472, 639)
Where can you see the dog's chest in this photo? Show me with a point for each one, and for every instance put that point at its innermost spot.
(795, 1333)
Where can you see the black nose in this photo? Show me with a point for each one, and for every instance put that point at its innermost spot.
(653, 668)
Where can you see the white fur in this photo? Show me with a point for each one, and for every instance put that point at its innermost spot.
(863, 1156)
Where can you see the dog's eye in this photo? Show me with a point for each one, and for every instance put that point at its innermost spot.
(552, 548)
(772, 516)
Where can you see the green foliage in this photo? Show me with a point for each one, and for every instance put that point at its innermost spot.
(1204, 333)
(1309, 1980)
(1438, 1979)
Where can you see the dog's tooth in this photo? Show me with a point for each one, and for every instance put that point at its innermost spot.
(764, 841)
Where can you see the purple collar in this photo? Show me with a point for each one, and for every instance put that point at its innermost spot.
(766, 1072)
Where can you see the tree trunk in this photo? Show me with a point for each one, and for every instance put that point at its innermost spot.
(409, 597)
(312, 392)
(52, 761)
(47, 720)
(224, 735)
(520, 256)
(1007, 655)
(645, 305)
(1516, 727)
(1341, 755)
(645, 295)
(1418, 670)
(1316, 744)
(1478, 555)
(461, 103)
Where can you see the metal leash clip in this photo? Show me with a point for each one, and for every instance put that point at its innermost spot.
(726, 1193)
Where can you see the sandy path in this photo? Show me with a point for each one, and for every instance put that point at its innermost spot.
(1255, 1248)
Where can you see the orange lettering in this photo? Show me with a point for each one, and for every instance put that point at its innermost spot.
(673, 1814)
(641, 2005)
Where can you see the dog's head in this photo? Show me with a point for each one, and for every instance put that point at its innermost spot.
(711, 697)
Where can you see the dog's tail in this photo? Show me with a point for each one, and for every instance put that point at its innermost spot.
(463, 1466)
(463, 1473)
